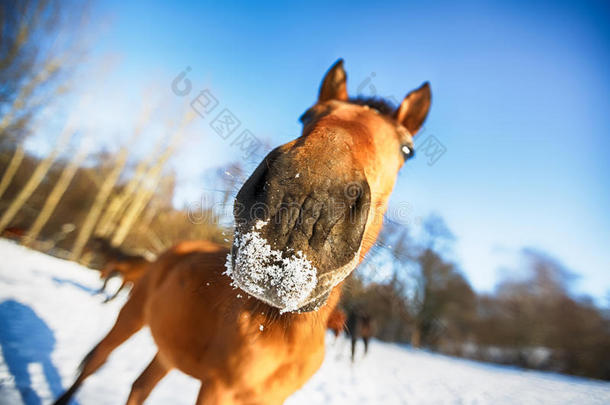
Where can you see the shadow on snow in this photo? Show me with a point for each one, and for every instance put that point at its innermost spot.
(26, 339)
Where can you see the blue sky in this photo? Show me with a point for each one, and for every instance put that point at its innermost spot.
(521, 95)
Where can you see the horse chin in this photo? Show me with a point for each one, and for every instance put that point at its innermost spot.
(327, 282)
(285, 278)
(315, 304)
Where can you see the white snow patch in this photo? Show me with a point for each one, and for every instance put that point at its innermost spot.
(260, 224)
(284, 282)
(60, 294)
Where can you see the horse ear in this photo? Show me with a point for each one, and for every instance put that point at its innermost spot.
(334, 85)
(414, 108)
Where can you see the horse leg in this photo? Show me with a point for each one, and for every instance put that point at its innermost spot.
(145, 383)
(353, 347)
(214, 393)
(103, 287)
(123, 284)
(129, 321)
(366, 344)
(106, 279)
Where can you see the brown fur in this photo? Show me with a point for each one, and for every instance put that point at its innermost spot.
(242, 350)
(130, 270)
(13, 232)
(336, 321)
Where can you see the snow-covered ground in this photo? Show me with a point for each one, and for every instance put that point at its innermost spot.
(50, 318)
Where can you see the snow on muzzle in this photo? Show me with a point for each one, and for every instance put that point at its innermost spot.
(288, 281)
(283, 281)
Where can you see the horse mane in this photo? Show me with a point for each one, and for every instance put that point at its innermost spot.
(384, 106)
(115, 253)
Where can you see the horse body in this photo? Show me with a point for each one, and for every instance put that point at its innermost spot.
(240, 348)
(249, 323)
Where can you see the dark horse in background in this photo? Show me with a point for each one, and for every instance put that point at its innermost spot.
(359, 325)
(118, 263)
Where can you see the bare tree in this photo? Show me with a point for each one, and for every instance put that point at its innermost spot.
(146, 191)
(442, 300)
(58, 191)
(11, 170)
(34, 180)
(437, 235)
(36, 58)
(120, 202)
(151, 180)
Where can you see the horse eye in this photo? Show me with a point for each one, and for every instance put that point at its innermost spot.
(407, 152)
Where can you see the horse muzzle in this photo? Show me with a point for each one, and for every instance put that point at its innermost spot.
(298, 234)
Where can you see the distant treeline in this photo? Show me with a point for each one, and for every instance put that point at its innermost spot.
(157, 226)
(531, 320)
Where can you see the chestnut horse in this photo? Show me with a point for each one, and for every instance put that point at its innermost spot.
(254, 334)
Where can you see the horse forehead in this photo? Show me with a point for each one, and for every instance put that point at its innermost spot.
(359, 113)
(352, 121)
